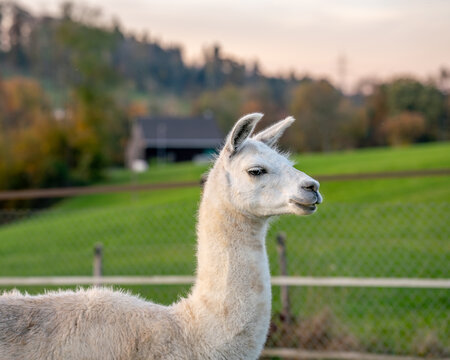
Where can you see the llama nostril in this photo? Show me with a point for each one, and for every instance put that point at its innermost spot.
(310, 185)
(310, 188)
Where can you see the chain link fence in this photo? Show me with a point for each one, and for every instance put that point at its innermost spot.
(341, 240)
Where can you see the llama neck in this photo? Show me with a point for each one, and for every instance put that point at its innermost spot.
(231, 298)
(231, 250)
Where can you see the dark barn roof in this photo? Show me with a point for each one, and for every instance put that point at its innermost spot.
(174, 132)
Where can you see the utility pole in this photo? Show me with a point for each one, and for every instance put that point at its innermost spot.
(342, 67)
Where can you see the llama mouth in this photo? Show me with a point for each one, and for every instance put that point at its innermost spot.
(304, 207)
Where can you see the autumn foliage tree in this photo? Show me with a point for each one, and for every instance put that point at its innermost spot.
(33, 144)
(224, 104)
(99, 123)
(404, 128)
(406, 110)
(315, 105)
(409, 95)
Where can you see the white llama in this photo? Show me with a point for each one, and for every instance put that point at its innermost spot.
(226, 315)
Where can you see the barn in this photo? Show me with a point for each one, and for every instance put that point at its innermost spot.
(173, 139)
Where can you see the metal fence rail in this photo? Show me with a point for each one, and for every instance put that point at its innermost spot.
(364, 279)
(331, 355)
(183, 280)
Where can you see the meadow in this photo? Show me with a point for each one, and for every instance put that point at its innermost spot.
(364, 228)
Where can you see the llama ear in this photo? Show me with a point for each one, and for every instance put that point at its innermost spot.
(271, 135)
(241, 131)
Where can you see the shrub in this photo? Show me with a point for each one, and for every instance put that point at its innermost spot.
(404, 128)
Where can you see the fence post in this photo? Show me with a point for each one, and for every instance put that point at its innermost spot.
(98, 264)
(284, 289)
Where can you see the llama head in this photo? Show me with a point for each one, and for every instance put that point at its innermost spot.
(260, 181)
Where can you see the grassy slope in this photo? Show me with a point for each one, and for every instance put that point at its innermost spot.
(357, 232)
(421, 156)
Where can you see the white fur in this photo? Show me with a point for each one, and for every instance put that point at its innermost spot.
(226, 315)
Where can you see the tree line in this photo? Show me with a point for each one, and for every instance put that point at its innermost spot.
(71, 84)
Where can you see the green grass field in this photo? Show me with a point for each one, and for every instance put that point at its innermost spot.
(417, 157)
(364, 228)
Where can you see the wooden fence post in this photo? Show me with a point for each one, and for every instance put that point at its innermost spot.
(284, 289)
(98, 264)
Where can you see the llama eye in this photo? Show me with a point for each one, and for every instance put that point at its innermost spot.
(257, 171)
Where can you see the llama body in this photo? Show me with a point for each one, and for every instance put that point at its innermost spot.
(226, 315)
(88, 324)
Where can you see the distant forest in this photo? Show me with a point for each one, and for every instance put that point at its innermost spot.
(35, 46)
(71, 84)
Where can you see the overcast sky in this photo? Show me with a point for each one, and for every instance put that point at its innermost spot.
(376, 38)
